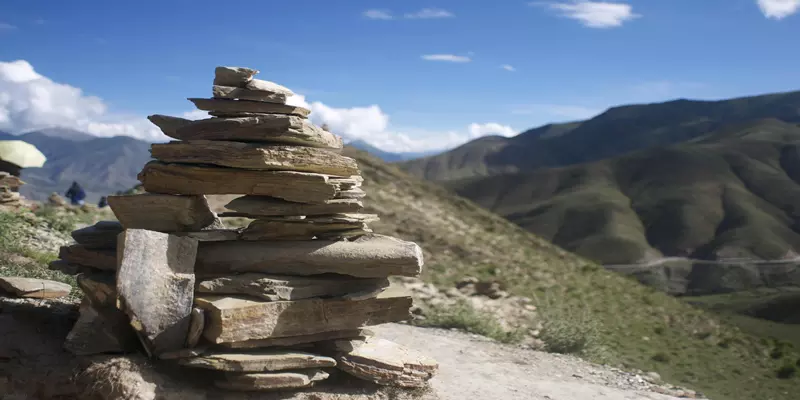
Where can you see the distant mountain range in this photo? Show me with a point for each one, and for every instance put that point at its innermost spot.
(388, 156)
(101, 165)
(616, 131)
(697, 179)
(106, 165)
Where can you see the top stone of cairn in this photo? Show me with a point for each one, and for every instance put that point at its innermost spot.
(233, 82)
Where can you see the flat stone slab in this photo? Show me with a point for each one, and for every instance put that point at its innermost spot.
(299, 340)
(235, 319)
(102, 235)
(258, 360)
(164, 212)
(267, 86)
(155, 286)
(369, 256)
(301, 187)
(261, 206)
(353, 193)
(232, 92)
(212, 235)
(384, 362)
(298, 230)
(33, 288)
(261, 128)
(103, 259)
(255, 157)
(355, 219)
(286, 287)
(227, 105)
(271, 381)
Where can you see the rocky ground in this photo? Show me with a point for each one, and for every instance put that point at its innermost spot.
(470, 367)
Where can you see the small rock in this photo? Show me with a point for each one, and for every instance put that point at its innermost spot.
(653, 377)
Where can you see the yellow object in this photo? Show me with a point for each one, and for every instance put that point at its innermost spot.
(22, 154)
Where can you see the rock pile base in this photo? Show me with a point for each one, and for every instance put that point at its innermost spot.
(271, 306)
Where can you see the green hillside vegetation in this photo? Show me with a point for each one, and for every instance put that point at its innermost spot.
(767, 312)
(729, 194)
(636, 326)
(617, 131)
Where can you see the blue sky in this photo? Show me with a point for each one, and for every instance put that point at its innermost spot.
(405, 75)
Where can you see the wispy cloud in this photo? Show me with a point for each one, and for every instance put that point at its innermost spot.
(573, 112)
(594, 14)
(446, 57)
(378, 14)
(778, 9)
(508, 68)
(39, 21)
(6, 27)
(430, 13)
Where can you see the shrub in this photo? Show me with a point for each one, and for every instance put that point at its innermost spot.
(661, 357)
(570, 331)
(787, 371)
(464, 316)
(63, 219)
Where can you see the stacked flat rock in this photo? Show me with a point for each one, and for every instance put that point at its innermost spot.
(9, 191)
(265, 305)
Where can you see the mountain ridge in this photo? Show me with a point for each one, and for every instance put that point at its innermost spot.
(616, 131)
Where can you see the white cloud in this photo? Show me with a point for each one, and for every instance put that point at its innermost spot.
(491, 128)
(195, 115)
(372, 125)
(508, 68)
(430, 13)
(778, 9)
(594, 14)
(446, 57)
(378, 14)
(30, 101)
(6, 27)
(572, 112)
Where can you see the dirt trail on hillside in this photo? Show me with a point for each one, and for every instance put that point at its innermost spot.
(472, 367)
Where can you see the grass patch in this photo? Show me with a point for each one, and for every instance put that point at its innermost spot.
(65, 219)
(463, 316)
(19, 260)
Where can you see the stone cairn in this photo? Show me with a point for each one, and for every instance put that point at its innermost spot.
(275, 305)
(9, 191)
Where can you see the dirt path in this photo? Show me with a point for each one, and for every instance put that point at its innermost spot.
(471, 367)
